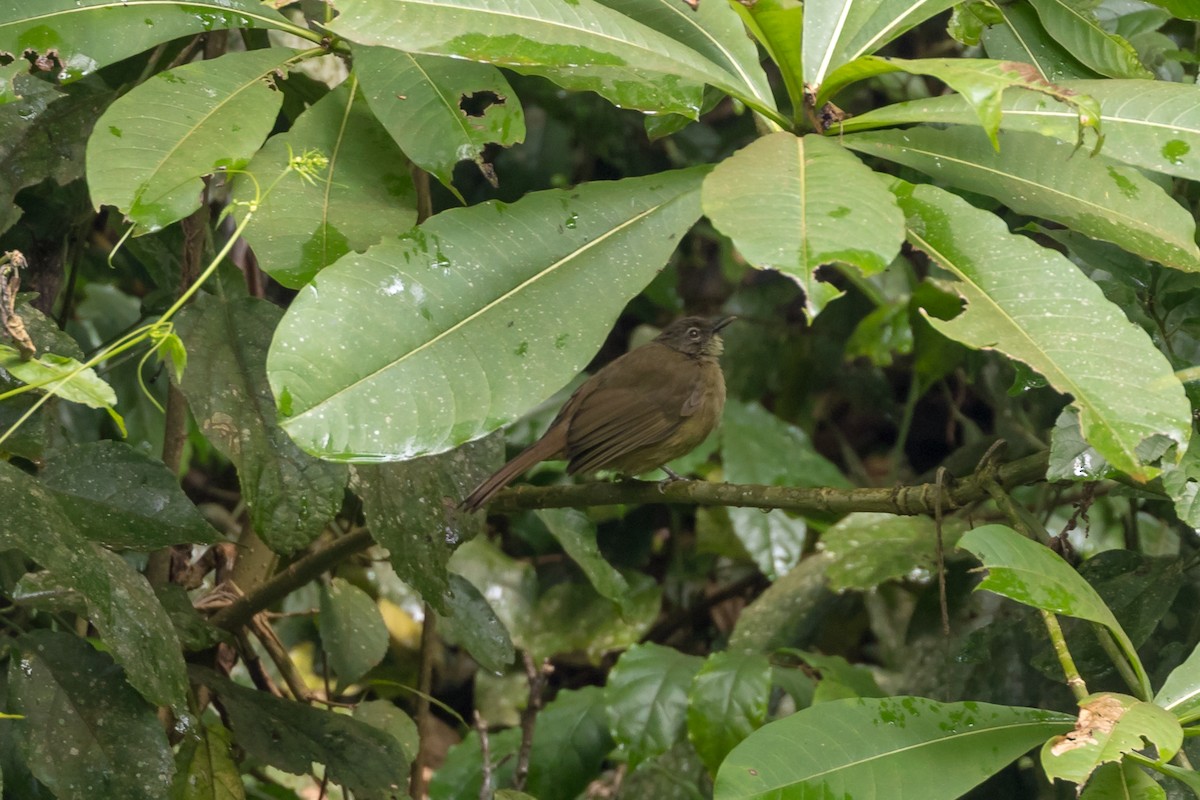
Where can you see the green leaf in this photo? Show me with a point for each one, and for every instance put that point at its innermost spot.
(172, 352)
(123, 498)
(411, 510)
(1072, 458)
(1126, 391)
(1079, 33)
(1021, 37)
(151, 147)
(758, 447)
(205, 769)
(385, 716)
(570, 617)
(647, 699)
(510, 586)
(793, 204)
(29, 156)
(471, 318)
(121, 604)
(84, 727)
(576, 533)
(591, 48)
(837, 678)
(711, 29)
(1031, 573)
(364, 194)
(570, 742)
(895, 747)
(291, 735)
(420, 101)
(979, 82)
(1043, 177)
(291, 495)
(476, 627)
(85, 35)
(1123, 781)
(836, 33)
(1149, 124)
(62, 375)
(868, 549)
(727, 702)
(790, 609)
(778, 25)
(1180, 692)
(353, 635)
(1109, 727)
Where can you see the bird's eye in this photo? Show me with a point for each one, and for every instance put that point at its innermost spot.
(693, 333)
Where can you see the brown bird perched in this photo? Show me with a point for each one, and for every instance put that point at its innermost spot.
(649, 406)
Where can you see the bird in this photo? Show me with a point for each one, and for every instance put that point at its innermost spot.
(642, 410)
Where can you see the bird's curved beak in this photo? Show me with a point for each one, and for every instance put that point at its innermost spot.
(721, 323)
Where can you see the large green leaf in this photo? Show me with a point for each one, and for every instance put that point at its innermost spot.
(1077, 30)
(365, 193)
(205, 769)
(1021, 37)
(290, 735)
(291, 495)
(1043, 177)
(794, 203)
(1180, 692)
(790, 610)
(647, 699)
(410, 508)
(711, 29)
(778, 25)
(150, 148)
(1031, 573)
(120, 602)
(979, 82)
(840, 31)
(459, 326)
(574, 617)
(121, 497)
(85, 35)
(587, 46)
(1033, 305)
(84, 728)
(727, 702)
(1150, 124)
(894, 748)
(422, 102)
(473, 625)
(1124, 781)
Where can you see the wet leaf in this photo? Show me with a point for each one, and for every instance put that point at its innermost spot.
(463, 324)
(120, 603)
(123, 498)
(476, 627)
(352, 631)
(83, 724)
(1076, 28)
(647, 699)
(1109, 727)
(577, 535)
(291, 735)
(726, 703)
(291, 495)
(868, 549)
(205, 769)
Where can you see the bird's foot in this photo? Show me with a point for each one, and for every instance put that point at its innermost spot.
(672, 476)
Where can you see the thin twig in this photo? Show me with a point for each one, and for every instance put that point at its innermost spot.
(486, 787)
(537, 677)
(424, 716)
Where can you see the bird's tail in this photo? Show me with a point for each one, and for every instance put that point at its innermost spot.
(548, 446)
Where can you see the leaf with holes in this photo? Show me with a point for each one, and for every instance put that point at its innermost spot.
(425, 103)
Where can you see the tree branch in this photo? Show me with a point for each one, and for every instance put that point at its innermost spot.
(904, 500)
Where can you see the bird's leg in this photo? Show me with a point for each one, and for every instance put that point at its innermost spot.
(672, 476)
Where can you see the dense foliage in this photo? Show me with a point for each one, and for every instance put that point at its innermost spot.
(276, 274)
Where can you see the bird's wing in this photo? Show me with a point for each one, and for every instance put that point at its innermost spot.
(632, 408)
